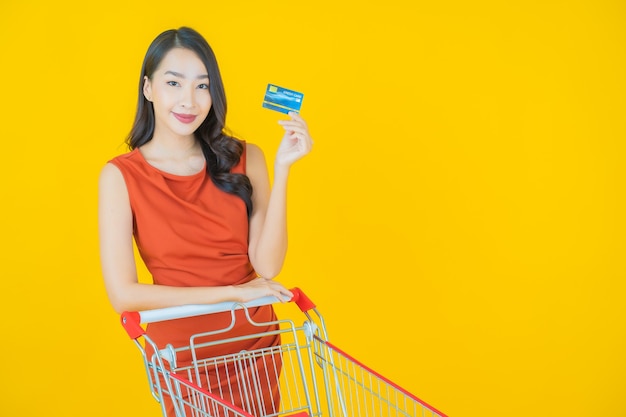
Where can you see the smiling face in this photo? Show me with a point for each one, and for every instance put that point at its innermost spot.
(179, 92)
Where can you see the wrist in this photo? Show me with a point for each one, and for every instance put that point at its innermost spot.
(281, 169)
(233, 293)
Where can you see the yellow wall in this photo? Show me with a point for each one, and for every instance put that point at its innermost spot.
(460, 223)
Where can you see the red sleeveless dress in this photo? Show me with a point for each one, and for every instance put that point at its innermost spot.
(190, 233)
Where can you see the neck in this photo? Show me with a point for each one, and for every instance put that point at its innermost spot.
(173, 145)
(179, 156)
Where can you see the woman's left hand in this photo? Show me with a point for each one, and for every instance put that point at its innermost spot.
(296, 142)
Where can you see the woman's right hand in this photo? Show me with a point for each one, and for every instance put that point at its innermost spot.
(262, 287)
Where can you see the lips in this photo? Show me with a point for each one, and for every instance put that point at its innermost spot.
(184, 118)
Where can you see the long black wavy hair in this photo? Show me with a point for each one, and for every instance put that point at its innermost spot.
(221, 151)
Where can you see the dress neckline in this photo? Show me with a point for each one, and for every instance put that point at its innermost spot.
(169, 174)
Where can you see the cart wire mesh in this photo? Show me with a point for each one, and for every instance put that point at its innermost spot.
(303, 375)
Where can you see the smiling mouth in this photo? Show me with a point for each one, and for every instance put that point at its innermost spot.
(184, 118)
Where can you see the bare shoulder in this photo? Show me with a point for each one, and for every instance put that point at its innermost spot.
(110, 173)
(255, 159)
(254, 152)
(111, 179)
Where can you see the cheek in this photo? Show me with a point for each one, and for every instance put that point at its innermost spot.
(161, 97)
(207, 101)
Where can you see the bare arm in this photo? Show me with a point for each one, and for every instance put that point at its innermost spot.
(115, 224)
(268, 223)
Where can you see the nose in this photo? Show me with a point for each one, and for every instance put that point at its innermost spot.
(187, 97)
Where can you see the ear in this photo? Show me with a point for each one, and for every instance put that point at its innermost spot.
(147, 88)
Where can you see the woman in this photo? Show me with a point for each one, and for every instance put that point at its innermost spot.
(206, 221)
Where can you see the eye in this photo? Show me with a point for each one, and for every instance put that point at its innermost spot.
(173, 83)
(204, 86)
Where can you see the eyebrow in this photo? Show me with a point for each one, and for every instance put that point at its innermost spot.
(179, 75)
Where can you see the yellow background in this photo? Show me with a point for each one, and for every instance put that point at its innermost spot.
(460, 222)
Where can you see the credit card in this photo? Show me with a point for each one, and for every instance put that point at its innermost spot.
(282, 99)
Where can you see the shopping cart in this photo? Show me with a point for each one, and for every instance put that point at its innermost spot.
(315, 377)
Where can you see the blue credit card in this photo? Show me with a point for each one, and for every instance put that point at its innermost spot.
(282, 99)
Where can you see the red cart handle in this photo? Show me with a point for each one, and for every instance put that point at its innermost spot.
(302, 301)
(132, 320)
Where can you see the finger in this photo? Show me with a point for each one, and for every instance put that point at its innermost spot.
(295, 115)
(295, 126)
(285, 296)
(300, 132)
(295, 118)
(280, 292)
(301, 138)
(287, 124)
